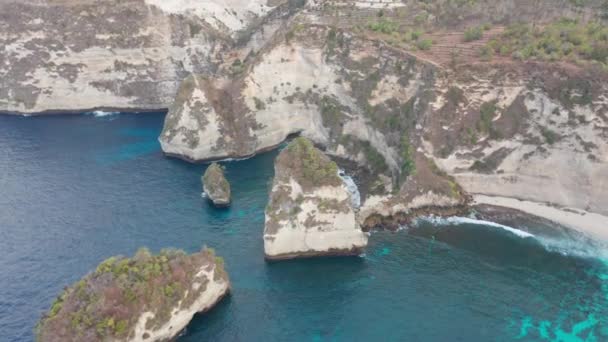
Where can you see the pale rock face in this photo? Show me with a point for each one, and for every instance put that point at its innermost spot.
(284, 71)
(215, 290)
(73, 56)
(81, 55)
(276, 98)
(192, 124)
(330, 233)
(233, 15)
(569, 172)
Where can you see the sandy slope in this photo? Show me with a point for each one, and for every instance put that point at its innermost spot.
(594, 225)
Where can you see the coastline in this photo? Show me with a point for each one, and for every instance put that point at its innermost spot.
(592, 224)
(52, 112)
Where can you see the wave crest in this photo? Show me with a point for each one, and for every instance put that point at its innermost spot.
(457, 220)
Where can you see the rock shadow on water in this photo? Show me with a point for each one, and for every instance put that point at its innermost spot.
(309, 286)
(211, 323)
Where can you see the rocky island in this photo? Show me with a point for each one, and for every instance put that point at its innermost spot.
(216, 186)
(144, 298)
(310, 210)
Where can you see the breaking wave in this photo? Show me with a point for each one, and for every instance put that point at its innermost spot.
(101, 113)
(456, 220)
(573, 243)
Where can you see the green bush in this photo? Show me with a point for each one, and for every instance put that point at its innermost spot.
(315, 168)
(424, 44)
(383, 26)
(408, 165)
(551, 137)
(375, 160)
(259, 104)
(487, 112)
(473, 33)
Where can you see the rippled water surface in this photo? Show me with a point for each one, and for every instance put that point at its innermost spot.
(77, 189)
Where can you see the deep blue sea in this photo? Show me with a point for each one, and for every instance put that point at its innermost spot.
(77, 189)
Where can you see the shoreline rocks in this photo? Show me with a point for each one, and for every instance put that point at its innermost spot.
(147, 297)
(216, 186)
(310, 210)
(426, 191)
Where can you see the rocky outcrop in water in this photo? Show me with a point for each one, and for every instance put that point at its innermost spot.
(144, 298)
(216, 186)
(310, 211)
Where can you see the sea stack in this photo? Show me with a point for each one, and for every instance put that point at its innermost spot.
(216, 186)
(310, 211)
(144, 298)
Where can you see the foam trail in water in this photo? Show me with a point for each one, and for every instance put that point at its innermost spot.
(101, 113)
(456, 220)
(351, 186)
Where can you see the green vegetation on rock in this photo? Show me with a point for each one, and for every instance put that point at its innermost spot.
(551, 137)
(487, 112)
(408, 165)
(375, 160)
(330, 112)
(310, 165)
(473, 33)
(259, 104)
(383, 26)
(216, 185)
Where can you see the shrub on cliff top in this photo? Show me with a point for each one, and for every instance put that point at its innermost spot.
(473, 33)
(107, 303)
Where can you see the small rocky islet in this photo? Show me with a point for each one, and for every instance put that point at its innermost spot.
(216, 186)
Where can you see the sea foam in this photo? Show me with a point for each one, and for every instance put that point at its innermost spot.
(457, 220)
(101, 113)
(352, 188)
(574, 245)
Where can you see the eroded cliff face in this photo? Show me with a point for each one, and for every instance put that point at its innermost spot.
(79, 55)
(310, 210)
(428, 134)
(260, 72)
(360, 99)
(537, 133)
